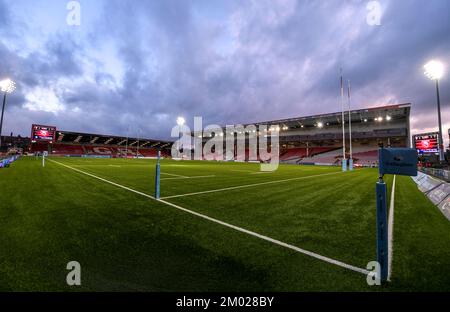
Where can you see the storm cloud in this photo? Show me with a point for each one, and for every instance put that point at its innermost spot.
(134, 66)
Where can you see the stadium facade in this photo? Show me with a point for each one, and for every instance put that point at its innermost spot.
(77, 144)
(303, 140)
(318, 139)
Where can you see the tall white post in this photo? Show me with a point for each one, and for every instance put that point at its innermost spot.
(350, 126)
(344, 160)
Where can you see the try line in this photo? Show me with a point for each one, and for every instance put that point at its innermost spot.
(234, 227)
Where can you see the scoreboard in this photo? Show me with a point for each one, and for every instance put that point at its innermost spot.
(43, 133)
(427, 143)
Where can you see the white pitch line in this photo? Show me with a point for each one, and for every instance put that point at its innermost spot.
(248, 185)
(234, 227)
(184, 178)
(101, 179)
(174, 175)
(391, 229)
(269, 239)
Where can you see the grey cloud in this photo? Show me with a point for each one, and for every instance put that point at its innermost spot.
(279, 62)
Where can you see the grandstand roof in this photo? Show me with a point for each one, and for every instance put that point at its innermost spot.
(365, 115)
(398, 111)
(91, 138)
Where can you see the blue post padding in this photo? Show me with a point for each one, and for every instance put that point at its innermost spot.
(344, 164)
(157, 177)
(382, 230)
(350, 164)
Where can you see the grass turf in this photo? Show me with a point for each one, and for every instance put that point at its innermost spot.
(124, 241)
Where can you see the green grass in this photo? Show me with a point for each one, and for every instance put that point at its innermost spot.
(127, 242)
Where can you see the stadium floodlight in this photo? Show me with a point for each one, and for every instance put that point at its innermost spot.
(6, 86)
(435, 71)
(180, 121)
(320, 124)
(388, 118)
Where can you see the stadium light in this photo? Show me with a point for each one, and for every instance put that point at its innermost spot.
(6, 86)
(435, 71)
(388, 118)
(320, 124)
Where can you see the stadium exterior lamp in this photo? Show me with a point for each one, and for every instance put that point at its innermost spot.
(435, 70)
(6, 86)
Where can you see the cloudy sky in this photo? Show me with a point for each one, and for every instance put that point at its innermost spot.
(134, 66)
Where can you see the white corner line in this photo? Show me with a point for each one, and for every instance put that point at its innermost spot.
(391, 229)
(250, 185)
(239, 229)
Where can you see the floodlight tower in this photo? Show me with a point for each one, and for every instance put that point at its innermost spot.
(435, 70)
(6, 86)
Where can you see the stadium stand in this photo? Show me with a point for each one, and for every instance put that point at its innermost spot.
(303, 140)
(74, 144)
(332, 157)
(66, 149)
(318, 138)
(368, 158)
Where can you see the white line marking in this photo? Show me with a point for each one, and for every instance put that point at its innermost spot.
(174, 175)
(391, 229)
(101, 179)
(239, 229)
(249, 185)
(274, 241)
(184, 178)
